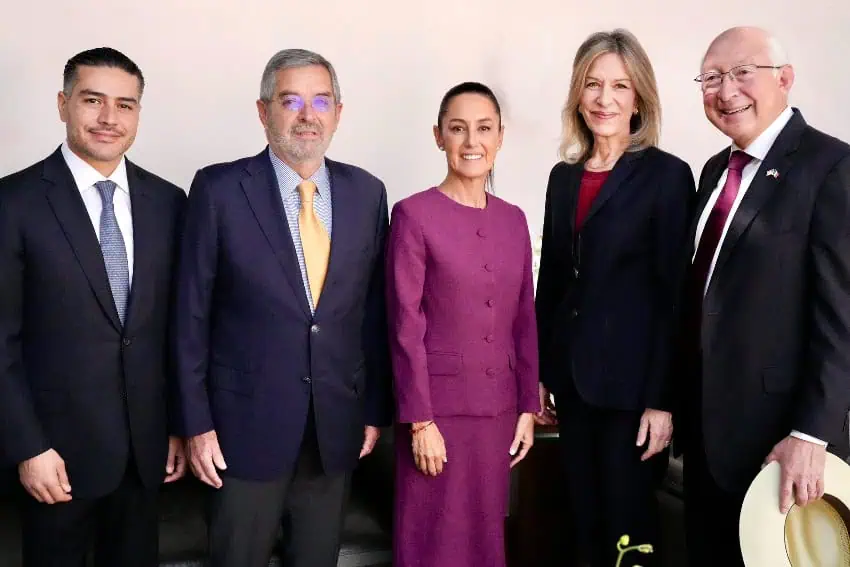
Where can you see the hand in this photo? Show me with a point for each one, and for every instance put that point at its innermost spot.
(206, 459)
(370, 437)
(44, 477)
(802, 464)
(523, 437)
(175, 466)
(429, 448)
(547, 414)
(658, 425)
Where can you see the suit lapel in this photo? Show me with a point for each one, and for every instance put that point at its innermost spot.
(763, 186)
(261, 189)
(714, 169)
(623, 170)
(345, 212)
(144, 210)
(68, 207)
(573, 185)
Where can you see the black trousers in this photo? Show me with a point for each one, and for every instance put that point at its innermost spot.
(246, 516)
(610, 492)
(711, 515)
(121, 528)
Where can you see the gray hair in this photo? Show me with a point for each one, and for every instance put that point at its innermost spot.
(776, 52)
(289, 59)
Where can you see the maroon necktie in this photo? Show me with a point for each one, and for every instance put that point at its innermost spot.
(713, 229)
(689, 339)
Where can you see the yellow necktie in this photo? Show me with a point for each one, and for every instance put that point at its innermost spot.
(314, 241)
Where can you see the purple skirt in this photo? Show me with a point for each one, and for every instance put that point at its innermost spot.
(457, 518)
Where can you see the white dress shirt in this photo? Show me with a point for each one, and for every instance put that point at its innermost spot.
(758, 150)
(85, 176)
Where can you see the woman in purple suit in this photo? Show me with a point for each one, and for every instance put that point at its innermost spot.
(464, 347)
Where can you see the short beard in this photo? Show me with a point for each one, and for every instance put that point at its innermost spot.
(298, 152)
(77, 145)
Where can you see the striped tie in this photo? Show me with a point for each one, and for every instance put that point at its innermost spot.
(113, 248)
(314, 241)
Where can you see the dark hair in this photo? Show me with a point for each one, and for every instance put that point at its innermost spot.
(99, 57)
(470, 87)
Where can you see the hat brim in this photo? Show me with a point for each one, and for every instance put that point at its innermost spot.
(761, 528)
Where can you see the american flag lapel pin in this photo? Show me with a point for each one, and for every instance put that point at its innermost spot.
(773, 173)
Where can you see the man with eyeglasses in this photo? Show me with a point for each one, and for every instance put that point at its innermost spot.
(280, 327)
(765, 358)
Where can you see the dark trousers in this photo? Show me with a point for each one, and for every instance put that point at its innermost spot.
(121, 527)
(610, 492)
(246, 516)
(711, 515)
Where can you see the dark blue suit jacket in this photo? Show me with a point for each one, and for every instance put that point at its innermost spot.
(249, 352)
(607, 297)
(72, 377)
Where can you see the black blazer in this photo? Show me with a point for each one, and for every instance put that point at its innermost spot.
(71, 378)
(775, 326)
(606, 298)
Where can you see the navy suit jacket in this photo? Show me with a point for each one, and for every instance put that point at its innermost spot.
(72, 378)
(775, 320)
(607, 297)
(250, 355)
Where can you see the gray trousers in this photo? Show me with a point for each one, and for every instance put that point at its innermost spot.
(245, 516)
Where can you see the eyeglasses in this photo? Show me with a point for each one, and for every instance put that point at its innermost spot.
(294, 103)
(742, 74)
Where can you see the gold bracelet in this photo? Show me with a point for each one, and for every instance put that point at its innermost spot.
(421, 428)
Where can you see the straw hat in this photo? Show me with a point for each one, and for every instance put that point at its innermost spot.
(816, 535)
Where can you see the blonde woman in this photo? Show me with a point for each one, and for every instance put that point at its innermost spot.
(613, 256)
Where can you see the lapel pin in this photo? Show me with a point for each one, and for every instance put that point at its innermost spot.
(773, 173)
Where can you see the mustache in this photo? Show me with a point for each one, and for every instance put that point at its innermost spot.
(307, 127)
(106, 130)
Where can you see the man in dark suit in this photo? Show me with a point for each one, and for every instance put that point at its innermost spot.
(767, 310)
(87, 243)
(280, 326)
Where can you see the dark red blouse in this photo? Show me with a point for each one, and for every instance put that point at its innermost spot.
(591, 183)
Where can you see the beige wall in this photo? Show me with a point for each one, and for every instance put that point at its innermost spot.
(203, 58)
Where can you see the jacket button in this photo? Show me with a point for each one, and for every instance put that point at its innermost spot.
(482, 233)
(306, 379)
(314, 329)
(126, 342)
(490, 303)
(488, 267)
(491, 372)
(489, 338)
(575, 313)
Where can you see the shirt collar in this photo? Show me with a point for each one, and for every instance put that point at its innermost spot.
(289, 180)
(760, 146)
(86, 176)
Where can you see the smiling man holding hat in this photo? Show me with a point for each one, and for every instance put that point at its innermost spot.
(764, 362)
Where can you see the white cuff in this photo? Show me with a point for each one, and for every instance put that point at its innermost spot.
(808, 438)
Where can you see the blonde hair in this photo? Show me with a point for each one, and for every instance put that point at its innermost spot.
(576, 137)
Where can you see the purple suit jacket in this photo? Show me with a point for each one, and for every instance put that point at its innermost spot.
(460, 303)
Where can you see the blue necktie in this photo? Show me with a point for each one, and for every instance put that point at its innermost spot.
(114, 251)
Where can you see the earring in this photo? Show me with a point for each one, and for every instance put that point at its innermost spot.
(636, 111)
(441, 148)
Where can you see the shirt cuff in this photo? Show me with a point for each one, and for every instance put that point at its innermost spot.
(808, 438)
